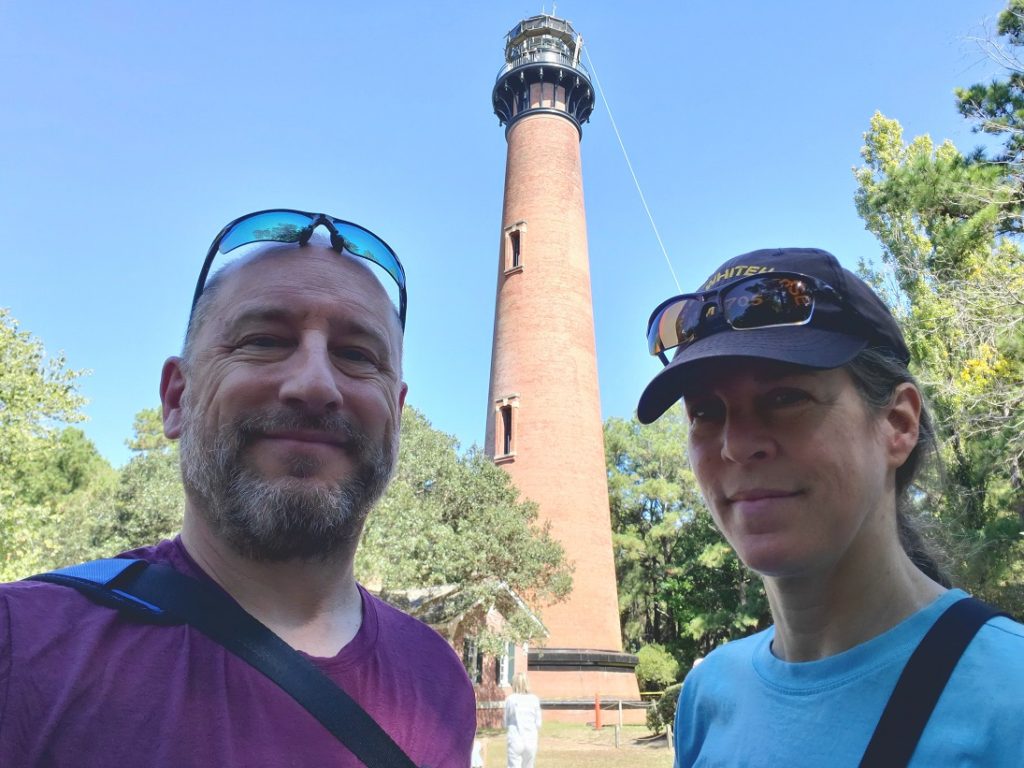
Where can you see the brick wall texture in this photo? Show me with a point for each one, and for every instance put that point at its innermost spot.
(544, 354)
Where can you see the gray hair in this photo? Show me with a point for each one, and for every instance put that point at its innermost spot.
(876, 376)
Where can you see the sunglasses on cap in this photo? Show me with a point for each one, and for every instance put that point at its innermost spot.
(760, 301)
(288, 226)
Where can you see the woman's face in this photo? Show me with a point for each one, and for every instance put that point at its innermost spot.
(797, 471)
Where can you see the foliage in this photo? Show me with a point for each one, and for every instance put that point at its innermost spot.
(955, 277)
(663, 710)
(656, 667)
(997, 108)
(148, 434)
(149, 500)
(69, 463)
(451, 519)
(148, 505)
(45, 468)
(680, 584)
(37, 395)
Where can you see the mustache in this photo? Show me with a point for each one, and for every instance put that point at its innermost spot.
(253, 425)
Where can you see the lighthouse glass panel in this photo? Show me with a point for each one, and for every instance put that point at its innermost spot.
(536, 95)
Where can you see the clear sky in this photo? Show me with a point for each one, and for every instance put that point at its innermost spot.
(132, 131)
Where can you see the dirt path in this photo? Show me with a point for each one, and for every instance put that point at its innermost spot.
(567, 746)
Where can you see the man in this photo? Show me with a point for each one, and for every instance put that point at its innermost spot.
(287, 400)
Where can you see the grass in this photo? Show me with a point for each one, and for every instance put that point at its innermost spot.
(563, 745)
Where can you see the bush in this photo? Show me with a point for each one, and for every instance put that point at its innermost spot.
(663, 711)
(656, 668)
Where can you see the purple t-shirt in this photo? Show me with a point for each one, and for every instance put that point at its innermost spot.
(81, 685)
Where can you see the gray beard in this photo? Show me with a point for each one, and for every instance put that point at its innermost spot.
(285, 518)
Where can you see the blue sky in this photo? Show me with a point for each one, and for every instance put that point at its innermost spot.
(132, 132)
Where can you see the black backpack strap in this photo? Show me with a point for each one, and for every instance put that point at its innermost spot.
(160, 594)
(922, 681)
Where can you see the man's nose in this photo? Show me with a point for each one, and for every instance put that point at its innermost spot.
(310, 378)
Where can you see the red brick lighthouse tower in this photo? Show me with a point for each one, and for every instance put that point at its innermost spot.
(544, 416)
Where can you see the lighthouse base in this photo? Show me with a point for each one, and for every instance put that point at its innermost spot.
(574, 683)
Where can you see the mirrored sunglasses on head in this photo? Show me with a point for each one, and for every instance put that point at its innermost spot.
(760, 301)
(288, 226)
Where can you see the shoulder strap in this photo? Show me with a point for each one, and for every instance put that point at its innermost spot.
(160, 594)
(922, 682)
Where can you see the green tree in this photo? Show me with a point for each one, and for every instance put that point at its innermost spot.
(954, 274)
(149, 501)
(148, 434)
(43, 465)
(997, 108)
(680, 584)
(37, 396)
(656, 668)
(82, 509)
(451, 519)
(69, 463)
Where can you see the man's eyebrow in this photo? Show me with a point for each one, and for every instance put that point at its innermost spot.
(258, 315)
(338, 326)
(356, 326)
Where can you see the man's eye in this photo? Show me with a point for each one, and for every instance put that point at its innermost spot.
(263, 342)
(354, 355)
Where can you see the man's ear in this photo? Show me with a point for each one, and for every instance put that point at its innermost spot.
(401, 396)
(903, 422)
(172, 389)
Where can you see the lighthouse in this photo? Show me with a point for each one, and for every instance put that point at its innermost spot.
(544, 422)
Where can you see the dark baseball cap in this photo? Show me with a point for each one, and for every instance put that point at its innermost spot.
(841, 325)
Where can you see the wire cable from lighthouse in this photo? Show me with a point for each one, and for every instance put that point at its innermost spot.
(636, 181)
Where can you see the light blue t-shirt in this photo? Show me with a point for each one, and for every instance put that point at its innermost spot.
(745, 707)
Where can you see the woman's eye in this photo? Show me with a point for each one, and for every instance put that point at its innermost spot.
(704, 410)
(780, 398)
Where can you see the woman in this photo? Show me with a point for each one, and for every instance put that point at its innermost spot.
(522, 719)
(806, 433)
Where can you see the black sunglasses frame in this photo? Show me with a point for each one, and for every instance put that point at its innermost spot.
(316, 220)
(713, 296)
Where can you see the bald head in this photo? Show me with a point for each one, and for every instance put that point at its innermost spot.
(302, 263)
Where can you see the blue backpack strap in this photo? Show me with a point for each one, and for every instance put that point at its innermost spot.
(100, 580)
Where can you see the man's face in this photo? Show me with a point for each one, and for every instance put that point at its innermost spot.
(291, 403)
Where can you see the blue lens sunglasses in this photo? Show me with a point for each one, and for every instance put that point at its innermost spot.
(283, 225)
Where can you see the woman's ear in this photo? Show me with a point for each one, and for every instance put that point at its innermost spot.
(902, 422)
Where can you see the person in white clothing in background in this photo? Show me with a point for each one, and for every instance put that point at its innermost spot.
(522, 719)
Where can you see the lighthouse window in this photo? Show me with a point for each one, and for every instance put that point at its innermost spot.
(506, 444)
(514, 248)
(515, 254)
